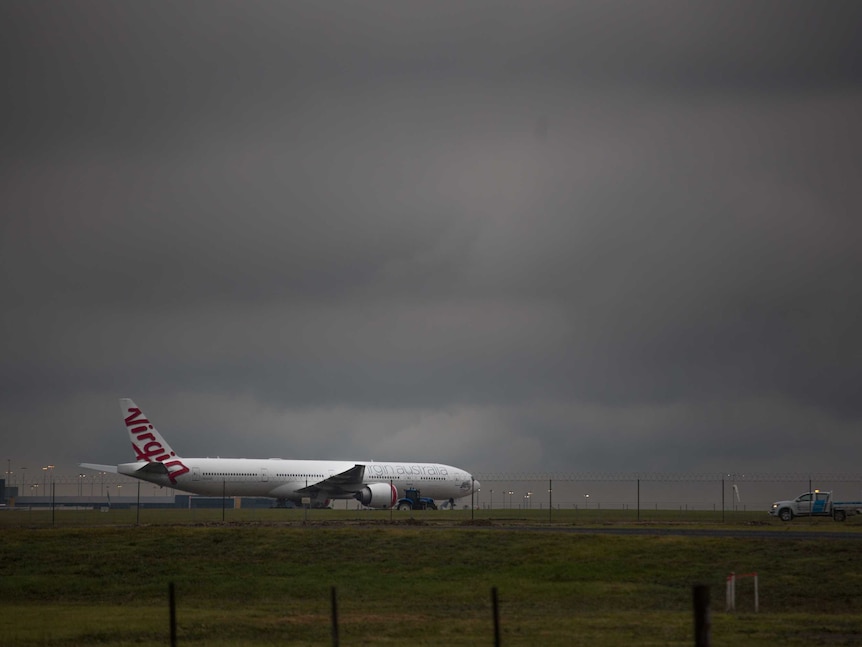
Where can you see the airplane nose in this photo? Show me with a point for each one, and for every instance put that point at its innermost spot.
(476, 485)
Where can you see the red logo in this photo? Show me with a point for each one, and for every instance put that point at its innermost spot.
(153, 451)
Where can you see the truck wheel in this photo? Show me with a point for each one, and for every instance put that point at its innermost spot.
(839, 515)
(785, 514)
(404, 506)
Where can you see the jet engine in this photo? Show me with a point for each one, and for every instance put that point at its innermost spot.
(378, 495)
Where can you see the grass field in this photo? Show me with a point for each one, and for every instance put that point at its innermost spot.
(267, 581)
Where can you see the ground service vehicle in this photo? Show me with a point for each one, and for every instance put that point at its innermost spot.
(412, 501)
(815, 504)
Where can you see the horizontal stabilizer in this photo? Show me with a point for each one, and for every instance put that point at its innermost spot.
(99, 468)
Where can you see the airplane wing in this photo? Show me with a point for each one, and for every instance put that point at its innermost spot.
(99, 468)
(346, 482)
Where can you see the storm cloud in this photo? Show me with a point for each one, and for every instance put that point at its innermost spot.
(509, 236)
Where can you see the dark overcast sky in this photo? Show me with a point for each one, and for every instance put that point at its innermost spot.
(533, 236)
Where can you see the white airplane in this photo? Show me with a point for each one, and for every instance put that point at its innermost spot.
(373, 484)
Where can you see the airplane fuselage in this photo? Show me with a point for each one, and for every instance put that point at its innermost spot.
(286, 479)
(373, 484)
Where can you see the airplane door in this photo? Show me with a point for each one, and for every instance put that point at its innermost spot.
(263, 475)
(196, 474)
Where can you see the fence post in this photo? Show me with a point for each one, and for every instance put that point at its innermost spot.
(731, 591)
(496, 611)
(173, 613)
(334, 601)
(756, 596)
(701, 616)
(472, 495)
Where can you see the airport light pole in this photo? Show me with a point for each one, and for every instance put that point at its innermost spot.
(510, 497)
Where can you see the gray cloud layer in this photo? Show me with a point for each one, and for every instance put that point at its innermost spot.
(527, 236)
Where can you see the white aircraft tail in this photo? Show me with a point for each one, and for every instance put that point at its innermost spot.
(146, 440)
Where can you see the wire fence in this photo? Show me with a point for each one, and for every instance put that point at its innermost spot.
(638, 494)
(667, 491)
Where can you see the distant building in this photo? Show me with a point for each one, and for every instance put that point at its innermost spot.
(7, 494)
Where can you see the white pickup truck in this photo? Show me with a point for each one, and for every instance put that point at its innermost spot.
(815, 504)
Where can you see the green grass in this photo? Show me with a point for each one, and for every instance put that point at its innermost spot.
(499, 516)
(268, 583)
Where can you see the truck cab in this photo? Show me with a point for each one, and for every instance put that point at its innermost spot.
(811, 503)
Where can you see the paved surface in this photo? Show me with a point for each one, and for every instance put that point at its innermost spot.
(766, 533)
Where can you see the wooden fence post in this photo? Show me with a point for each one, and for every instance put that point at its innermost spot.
(701, 616)
(496, 611)
(172, 602)
(334, 601)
